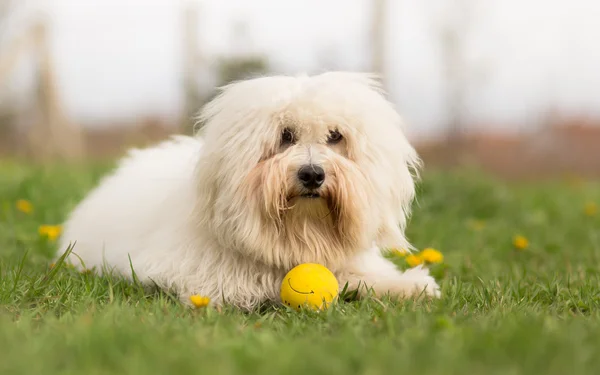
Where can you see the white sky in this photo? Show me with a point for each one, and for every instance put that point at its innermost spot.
(123, 58)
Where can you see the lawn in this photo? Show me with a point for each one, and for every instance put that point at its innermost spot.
(504, 310)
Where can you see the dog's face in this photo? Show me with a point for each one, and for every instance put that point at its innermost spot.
(304, 169)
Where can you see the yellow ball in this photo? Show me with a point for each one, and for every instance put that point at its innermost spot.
(309, 284)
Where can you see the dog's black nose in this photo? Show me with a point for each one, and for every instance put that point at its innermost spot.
(312, 176)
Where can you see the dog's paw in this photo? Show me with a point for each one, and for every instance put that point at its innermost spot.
(414, 282)
(421, 281)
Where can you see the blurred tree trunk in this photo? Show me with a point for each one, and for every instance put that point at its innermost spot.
(454, 33)
(456, 82)
(378, 39)
(192, 59)
(52, 136)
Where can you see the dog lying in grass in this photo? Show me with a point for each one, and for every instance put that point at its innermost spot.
(286, 170)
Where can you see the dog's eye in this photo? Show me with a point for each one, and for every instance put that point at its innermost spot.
(334, 137)
(287, 137)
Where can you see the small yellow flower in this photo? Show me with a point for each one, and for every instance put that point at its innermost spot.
(65, 265)
(574, 181)
(199, 301)
(590, 209)
(476, 225)
(431, 255)
(399, 252)
(520, 242)
(24, 206)
(51, 232)
(414, 260)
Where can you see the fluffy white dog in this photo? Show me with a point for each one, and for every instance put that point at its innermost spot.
(288, 170)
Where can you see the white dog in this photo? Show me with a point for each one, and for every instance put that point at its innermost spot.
(288, 170)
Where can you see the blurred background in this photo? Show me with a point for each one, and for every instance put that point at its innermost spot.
(512, 86)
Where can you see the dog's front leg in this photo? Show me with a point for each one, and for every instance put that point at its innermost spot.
(371, 271)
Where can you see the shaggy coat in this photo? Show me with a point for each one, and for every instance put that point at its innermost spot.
(225, 215)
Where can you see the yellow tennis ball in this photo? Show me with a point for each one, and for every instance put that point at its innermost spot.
(309, 284)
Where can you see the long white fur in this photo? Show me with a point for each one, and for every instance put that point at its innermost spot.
(219, 215)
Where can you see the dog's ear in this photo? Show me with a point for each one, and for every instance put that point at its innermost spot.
(391, 233)
(398, 187)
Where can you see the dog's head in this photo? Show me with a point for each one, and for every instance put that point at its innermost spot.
(304, 169)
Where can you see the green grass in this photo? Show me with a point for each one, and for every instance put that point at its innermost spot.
(502, 312)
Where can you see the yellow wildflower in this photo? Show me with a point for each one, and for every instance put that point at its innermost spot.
(575, 181)
(24, 206)
(51, 232)
(520, 242)
(476, 225)
(431, 255)
(399, 252)
(66, 265)
(590, 209)
(414, 260)
(199, 301)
